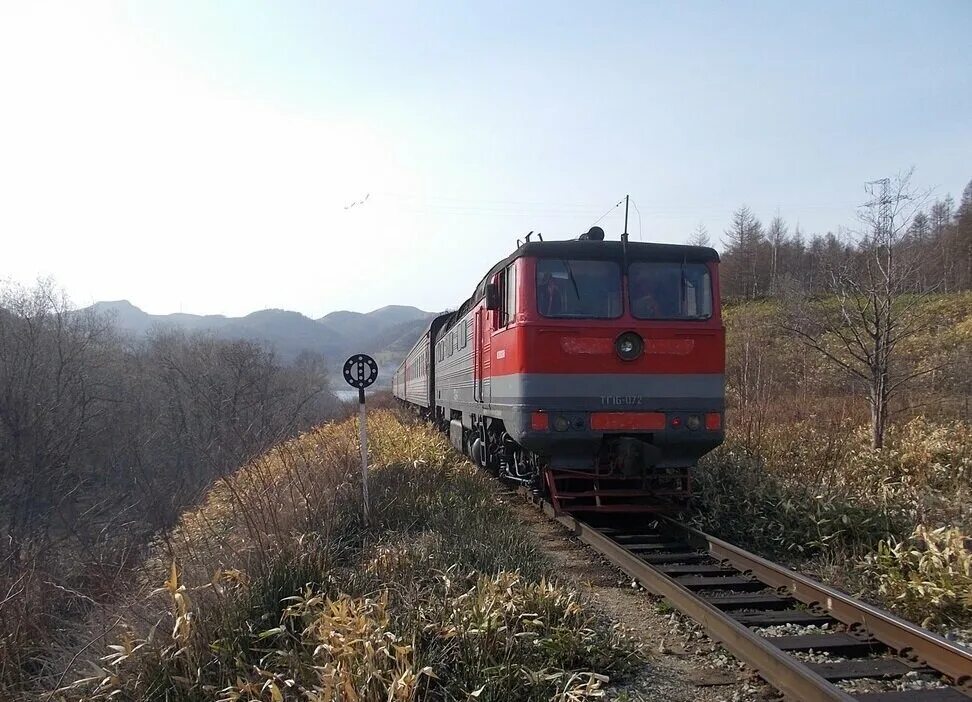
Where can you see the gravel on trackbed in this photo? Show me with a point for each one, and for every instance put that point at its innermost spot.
(683, 665)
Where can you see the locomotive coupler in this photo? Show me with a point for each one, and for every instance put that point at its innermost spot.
(634, 455)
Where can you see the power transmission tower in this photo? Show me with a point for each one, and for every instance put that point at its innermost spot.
(880, 191)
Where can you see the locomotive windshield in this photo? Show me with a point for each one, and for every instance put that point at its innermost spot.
(669, 290)
(578, 288)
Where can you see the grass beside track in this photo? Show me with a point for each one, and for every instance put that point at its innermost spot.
(890, 524)
(274, 589)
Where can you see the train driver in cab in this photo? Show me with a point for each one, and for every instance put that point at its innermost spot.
(645, 293)
(550, 297)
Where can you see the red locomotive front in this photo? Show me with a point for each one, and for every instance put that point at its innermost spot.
(592, 370)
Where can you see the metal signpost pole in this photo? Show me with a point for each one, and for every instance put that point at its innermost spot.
(363, 438)
(360, 371)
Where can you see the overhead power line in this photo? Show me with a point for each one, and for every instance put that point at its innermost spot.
(610, 209)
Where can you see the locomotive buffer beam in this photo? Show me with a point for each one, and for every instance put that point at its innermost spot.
(574, 491)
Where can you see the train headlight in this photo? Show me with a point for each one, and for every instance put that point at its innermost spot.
(693, 422)
(561, 423)
(629, 346)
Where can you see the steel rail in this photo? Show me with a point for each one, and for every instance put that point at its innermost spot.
(779, 669)
(909, 640)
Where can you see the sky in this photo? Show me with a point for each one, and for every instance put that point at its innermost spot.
(224, 157)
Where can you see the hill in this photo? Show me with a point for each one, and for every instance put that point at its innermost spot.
(387, 333)
(357, 323)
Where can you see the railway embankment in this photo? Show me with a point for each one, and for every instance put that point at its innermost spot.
(274, 589)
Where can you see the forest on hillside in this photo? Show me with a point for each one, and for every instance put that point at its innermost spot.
(858, 300)
(105, 441)
(933, 237)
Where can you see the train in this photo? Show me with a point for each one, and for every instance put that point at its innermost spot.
(591, 371)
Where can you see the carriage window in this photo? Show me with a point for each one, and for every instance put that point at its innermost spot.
(669, 290)
(578, 288)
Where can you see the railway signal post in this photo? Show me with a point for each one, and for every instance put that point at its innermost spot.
(360, 371)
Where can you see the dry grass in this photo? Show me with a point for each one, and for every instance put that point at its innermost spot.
(927, 576)
(274, 589)
(890, 523)
(797, 478)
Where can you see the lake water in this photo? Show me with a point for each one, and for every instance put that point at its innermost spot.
(346, 394)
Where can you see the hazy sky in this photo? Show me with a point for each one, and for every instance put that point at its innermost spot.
(200, 155)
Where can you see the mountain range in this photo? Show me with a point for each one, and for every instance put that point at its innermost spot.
(386, 333)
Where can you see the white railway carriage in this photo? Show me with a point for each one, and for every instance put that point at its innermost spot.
(412, 382)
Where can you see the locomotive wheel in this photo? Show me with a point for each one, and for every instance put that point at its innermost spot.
(539, 485)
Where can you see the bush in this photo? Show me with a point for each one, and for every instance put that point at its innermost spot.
(280, 591)
(502, 638)
(808, 486)
(926, 577)
(890, 521)
(739, 499)
(925, 468)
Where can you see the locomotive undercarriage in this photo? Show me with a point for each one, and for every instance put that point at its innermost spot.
(622, 477)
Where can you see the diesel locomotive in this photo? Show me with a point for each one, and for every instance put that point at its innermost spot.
(591, 370)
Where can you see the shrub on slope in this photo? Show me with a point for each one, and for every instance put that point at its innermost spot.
(276, 590)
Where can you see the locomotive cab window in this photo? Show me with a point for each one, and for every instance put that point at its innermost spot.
(578, 288)
(658, 290)
(506, 283)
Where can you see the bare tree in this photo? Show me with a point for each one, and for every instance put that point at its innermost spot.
(940, 215)
(699, 237)
(744, 243)
(874, 310)
(52, 370)
(959, 242)
(776, 234)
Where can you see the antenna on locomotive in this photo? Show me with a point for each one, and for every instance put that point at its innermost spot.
(624, 235)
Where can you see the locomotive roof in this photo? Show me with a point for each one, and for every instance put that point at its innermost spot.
(636, 251)
(604, 250)
(579, 248)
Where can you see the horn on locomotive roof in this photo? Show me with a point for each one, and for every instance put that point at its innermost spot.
(592, 234)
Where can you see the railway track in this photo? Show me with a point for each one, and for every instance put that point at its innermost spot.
(733, 593)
